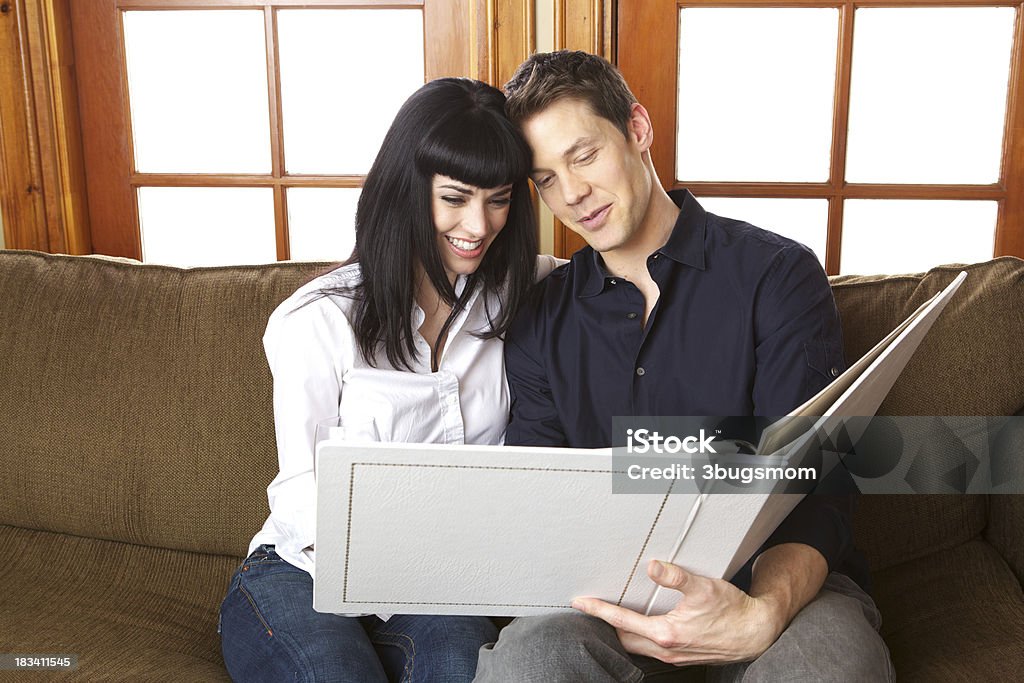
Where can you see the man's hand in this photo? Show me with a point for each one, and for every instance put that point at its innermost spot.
(713, 623)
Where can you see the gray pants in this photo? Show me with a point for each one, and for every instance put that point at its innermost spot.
(834, 638)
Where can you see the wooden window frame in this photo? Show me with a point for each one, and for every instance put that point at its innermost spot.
(113, 181)
(648, 33)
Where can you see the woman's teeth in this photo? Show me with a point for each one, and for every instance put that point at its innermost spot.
(465, 245)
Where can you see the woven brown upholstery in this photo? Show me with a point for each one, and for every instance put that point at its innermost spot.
(130, 612)
(955, 615)
(970, 363)
(139, 399)
(136, 444)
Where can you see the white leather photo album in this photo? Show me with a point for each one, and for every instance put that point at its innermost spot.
(501, 530)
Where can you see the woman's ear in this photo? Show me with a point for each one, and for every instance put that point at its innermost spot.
(641, 132)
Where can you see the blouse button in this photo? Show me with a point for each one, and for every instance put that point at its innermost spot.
(641, 372)
(631, 316)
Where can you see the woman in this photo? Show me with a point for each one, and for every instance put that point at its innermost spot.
(407, 334)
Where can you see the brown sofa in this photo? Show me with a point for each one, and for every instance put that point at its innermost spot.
(136, 442)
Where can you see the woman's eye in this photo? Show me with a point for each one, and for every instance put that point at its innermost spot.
(454, 201)
(503, 201)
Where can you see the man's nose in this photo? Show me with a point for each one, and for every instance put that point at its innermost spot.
(574, 189)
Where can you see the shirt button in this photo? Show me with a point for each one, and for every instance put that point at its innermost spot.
(834, 372)
(641, 372)
(631, 316)
(656, 256)
(612, 281)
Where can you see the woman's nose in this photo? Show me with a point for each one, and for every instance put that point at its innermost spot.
(475, 221)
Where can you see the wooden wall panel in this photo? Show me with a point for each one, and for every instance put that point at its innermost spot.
(515, 37)
(581, 25)
(24, 212)
(58, 128)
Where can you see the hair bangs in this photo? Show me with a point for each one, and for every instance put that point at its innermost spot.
(478, 149)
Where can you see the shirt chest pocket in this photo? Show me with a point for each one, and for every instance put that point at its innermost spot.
(405, 406)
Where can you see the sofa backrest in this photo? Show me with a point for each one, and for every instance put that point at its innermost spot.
(971, 363)
(136, 399)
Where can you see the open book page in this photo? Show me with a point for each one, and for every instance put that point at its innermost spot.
(862, 388)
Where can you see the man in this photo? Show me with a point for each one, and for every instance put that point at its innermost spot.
(673, 311)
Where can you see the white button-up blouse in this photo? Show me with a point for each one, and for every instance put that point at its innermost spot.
(319, 374)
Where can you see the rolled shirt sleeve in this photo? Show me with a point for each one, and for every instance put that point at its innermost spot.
(799, 352)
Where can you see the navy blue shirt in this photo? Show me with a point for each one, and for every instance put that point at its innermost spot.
(745, 325)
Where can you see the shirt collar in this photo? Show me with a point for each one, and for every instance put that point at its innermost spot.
(685, 244)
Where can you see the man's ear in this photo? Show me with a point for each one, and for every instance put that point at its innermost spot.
(640, 129)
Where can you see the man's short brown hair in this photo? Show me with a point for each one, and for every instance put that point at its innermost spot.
(547, 77)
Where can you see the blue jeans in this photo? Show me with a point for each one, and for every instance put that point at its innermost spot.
(270, 632)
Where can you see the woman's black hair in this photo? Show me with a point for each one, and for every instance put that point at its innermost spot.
(454, 127)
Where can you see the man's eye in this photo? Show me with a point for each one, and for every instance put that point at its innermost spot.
(586, 158)
(544, 182)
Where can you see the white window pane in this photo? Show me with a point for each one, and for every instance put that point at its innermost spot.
(803, 220)
(755, 94)
(197, 83)
(344, 75)
(910, 236)
(928, 94)
(207, 226)
(321, 223)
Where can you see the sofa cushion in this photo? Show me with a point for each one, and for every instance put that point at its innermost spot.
(956, 615)
(138, 407)
(891, 529)
(77, 596)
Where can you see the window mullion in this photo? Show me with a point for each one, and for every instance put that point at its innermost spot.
(840, 128)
